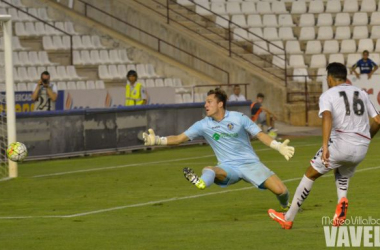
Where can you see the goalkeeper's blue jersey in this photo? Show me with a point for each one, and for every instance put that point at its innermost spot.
(229, 138)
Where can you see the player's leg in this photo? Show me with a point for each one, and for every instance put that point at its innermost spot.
(276, 186)
(208, 177)
(375, 127)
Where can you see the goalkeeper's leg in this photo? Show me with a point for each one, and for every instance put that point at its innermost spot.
(209, 176)
(276, 186)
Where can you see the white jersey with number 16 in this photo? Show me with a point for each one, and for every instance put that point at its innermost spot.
(350, 108)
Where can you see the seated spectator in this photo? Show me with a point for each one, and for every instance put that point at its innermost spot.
(236, 96)
(262, 116)
(134, 91)
(45, 93)
(365, 65)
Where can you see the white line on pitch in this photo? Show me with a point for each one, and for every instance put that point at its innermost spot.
(141, 164)
(159, 201)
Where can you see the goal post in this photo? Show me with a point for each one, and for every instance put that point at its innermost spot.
(9, 130)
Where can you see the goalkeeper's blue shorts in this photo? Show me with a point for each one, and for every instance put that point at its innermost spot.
(255, 173)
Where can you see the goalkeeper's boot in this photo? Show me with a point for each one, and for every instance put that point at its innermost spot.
(285, 209)
(193, 178)
(340, 212)
(280, 218)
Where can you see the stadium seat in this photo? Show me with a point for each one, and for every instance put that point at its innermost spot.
(23, 58)
(22, 74)
(325, 33)
(377, 49)
(375, 58)
(81, 85)
(20, 29)
(313, 47)
(168, 82)
(240, 20)
(33, 74)
(279, 50)
(318, 61)
(114, 72)
(350, 6)
(104, 57)
(177, 82)
(271, 34)
(22, 87)
(270, 21)
(330, 47)
(278, 7)
(203, 9)
(333, 6)
(307, 33)
(254, 21)
(222, 20)
(336, 58)
(285, 20)
(352, 59)
(255, 34)
(348, 46)
(240, 34)
(99, 84)
(34, 58)
(233, 8)
(321, 74)
(50, 30)
(297, 61)
(299, 7)
(103, 72)
(61, 86)
(77, 43)
(360, 32)
(185, 2)
(375, 32)
(342, 19)
(325, 19)
(343, 33)
(316, 7)
(42, 13)
(151, 71)
(115, 57)
(124, 56)
(2, 87)
(300, 75)
(263, 8)
(360, 18)
(218, 8)
(87, 42)
(95, 57)
(47, 43)
(286, 33)
(150, 83)
(260, 48)
(375, 18)
(71, 85)
(293, 47)
(141, 71)
(159, 82)
(178, 98)
(39, 28)
(23, 17)
(307, 20)
(368, 6)
(365, 44)
(248, 8)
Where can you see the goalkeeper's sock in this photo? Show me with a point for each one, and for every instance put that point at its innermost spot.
(208, 176)
(283, 199)
(341, 185)
(301, 194)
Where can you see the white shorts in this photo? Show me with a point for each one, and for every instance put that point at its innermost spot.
(343, 156)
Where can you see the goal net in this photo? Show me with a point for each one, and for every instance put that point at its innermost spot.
(8, 169)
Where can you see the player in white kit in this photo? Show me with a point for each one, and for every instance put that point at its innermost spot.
(345, 111)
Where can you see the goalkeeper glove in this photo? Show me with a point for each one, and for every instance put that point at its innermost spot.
(283, 148)
(151, 139)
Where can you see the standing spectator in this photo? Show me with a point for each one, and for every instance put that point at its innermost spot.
(45, 93)
(134, 91)
(366, 66)
(236, 96)
(260, 115)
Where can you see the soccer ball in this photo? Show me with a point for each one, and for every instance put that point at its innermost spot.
(17, 151)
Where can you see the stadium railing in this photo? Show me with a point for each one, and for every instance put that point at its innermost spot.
(46, 23)
(229, 30)
(92, 12)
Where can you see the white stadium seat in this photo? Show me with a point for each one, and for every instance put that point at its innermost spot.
(307, 33)
(254, 21)
(330, 47)
(368, 6)
(350, 6)
(99, 84)
(298, 75)
(185, 2)
(360, 32)
(240, 34)
(321, 74)
(285, 20)
(325, 19)
(233, 8)
(365, 44)
(375, 32)
(297, 61)
(278, 7)
(316, 7)
(255, 34)
(61, 86)
(270, 21)
(377, 49)
(263, 8)
(333, 6)
(375, 58)
(299, 7)
(203, 9)
(375, 18)
(90, 85)
(271, 34)
(81, 85)
(307, 20)
(336, 58)
(222, 20)
(218, 8)
(348, 46)
(260, 48)
(293, 47)
(352, 59)
(313, 47)
(360, 18)
(342, 33)
(279, 61)
(240, 20)
(342, 19)
(325, 33)
(318, 61)
(279, 50)
(286, 33)
(248, 8)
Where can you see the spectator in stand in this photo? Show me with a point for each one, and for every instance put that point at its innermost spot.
(263, 116)
(365, 65)
(45, 93)
(236, 96)
(135, 93)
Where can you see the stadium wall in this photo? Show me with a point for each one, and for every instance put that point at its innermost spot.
(82, 132)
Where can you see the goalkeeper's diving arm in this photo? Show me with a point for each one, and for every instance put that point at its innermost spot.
(283, 148)
(151, 139)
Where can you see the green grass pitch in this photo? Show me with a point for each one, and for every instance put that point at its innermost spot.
(142, 201)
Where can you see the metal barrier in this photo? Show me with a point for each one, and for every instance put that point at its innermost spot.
(86, 12)
(229, 30)
(46, 23)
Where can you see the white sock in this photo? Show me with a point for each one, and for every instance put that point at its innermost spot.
(300, 195)
(341, 185)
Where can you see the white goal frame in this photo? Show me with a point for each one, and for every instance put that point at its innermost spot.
(6, 23)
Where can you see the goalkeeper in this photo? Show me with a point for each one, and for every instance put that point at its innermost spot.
(227, 133)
